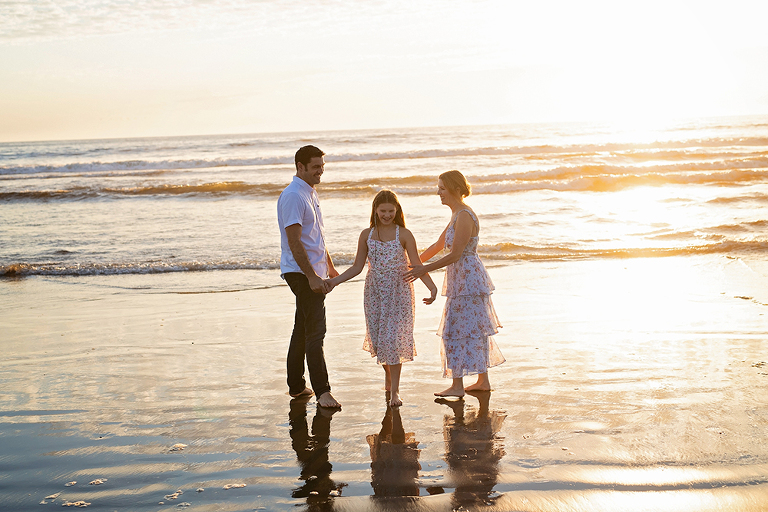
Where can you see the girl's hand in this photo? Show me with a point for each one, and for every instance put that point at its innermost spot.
(333, 281)
(431, 299)
(416, 272)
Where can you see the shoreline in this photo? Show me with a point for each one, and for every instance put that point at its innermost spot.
(629, 384)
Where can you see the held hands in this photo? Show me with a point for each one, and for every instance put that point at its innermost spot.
(319, 285)
(331, 283)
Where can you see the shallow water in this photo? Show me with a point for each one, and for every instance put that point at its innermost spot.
(636, 384)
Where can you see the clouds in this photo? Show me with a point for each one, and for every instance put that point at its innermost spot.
(42, 20)
(95, 68)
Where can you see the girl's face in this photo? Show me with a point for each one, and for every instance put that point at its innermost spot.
(385, 212)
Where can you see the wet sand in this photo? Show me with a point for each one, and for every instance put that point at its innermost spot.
(638, 384)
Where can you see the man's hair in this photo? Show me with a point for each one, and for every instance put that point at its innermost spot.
(305, 154)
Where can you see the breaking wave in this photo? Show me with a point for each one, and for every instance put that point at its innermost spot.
(589, 178)
(682, 150)
(501, 251)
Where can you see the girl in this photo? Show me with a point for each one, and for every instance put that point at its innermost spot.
(469, 319)
(388, 299)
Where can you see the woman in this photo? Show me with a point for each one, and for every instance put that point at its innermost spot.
(469, 319)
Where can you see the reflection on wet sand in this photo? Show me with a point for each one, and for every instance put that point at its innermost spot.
(473, 449)
(394, 457)
(312, 454)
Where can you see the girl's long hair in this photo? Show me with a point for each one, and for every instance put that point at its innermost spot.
(387, 197)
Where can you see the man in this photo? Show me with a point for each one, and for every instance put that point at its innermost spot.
(305, 264)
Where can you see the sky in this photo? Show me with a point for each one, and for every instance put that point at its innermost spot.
(73, 69)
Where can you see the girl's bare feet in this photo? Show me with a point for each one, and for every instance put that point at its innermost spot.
(393, 383)
(327, 400)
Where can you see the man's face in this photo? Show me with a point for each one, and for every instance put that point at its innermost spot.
(312, 171)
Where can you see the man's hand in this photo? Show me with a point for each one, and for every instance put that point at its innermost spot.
(318, 285)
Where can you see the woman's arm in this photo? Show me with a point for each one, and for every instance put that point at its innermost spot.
(357, 266)
(434, 248)
(413, 255)
(464, 226)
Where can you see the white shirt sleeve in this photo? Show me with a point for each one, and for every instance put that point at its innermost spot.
(292, 210)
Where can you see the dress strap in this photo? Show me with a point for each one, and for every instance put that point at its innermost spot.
(471, 214)
(371, 249)
(397, 232)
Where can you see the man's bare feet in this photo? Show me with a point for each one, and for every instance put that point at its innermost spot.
(306, 392)
(395, 401)
(327, 412)
(327, 400)
(451, 391)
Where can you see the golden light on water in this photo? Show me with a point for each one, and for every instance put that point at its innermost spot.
(640, 295)
(640, 218)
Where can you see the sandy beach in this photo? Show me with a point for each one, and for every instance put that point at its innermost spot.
(630, 384)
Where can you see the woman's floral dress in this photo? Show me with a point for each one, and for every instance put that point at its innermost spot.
(469, 319)
(389, 303)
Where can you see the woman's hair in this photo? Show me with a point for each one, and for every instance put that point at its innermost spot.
(454, 180)
(387, 197)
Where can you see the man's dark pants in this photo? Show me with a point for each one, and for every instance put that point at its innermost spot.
(307, 338)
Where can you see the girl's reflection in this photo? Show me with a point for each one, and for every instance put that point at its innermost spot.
(312, 452)
(473, 448)
(394, 457)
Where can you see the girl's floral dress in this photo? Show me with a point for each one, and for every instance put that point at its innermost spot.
(389, 303)
(469, 319)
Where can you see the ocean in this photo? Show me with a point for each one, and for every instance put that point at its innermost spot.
(542, 192)
(144, 325)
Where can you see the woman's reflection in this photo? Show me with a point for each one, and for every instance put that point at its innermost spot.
(394, 457)
(312, 452)
(473, 448)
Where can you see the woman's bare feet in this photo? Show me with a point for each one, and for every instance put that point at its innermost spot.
(306, 392)
(482, 384)
(478, 387)
(456, 389)
(394, 400)
(452, 391)
(327, 400)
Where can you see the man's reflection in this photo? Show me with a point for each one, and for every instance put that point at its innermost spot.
(394, 457)
(312, 453)
(473, 448)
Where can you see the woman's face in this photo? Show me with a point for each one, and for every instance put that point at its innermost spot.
(444, 193)
(385, 212)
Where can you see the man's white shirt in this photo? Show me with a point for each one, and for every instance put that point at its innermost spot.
(299, 204)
